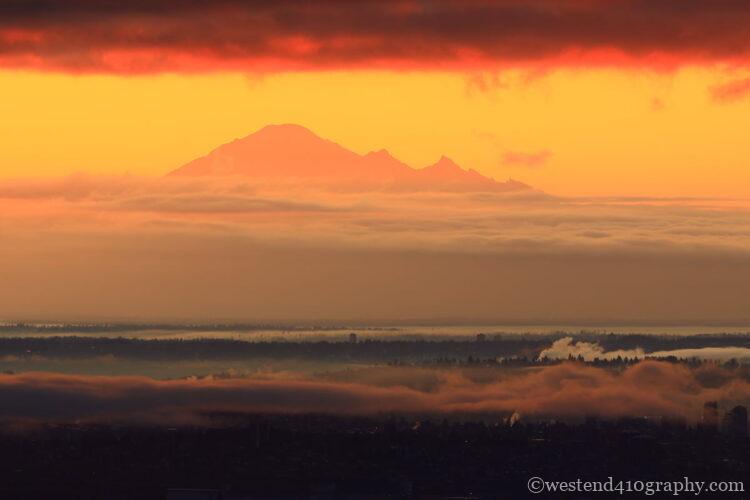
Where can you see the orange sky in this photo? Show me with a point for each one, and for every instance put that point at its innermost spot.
(595, 97)
(589, 101)
(568, 132)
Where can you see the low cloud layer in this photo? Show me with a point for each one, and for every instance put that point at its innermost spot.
(164, 35)
(567, 347)
(567, 390)
(340, 214)
(88, 247)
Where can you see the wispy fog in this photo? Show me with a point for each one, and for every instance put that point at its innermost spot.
(566, 390)
(95, 247)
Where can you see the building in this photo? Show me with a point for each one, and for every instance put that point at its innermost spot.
(193, 494)
(710, 417)
(735, 422)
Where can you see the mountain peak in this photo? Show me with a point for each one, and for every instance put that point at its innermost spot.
(286, 130)
(380, 153)
(276, 152)
(289, 151)
(445, 164)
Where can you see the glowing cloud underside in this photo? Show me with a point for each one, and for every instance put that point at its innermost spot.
(148, 36)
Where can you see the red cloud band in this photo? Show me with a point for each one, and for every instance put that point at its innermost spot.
(566, 390)
(187, 35)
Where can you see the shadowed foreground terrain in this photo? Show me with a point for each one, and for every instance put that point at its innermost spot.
(111, 412)
(315, 456)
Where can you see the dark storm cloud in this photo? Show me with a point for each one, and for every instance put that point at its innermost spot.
(156, 35)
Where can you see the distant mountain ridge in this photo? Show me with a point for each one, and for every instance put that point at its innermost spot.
(293, 152)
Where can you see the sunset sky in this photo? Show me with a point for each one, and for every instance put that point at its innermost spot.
(631, 115)
(574, 97)
(571, 131)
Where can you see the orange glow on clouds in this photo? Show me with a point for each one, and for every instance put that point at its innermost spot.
(285, 35)
(629, 117)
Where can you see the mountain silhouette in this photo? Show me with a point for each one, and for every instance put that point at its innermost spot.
(280, 152)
